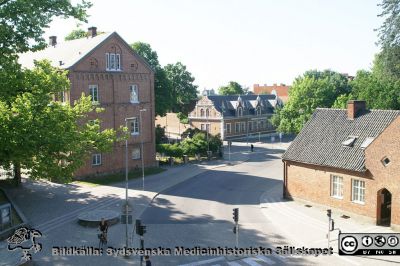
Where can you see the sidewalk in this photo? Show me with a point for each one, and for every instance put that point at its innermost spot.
(306, 224)
(53, 209)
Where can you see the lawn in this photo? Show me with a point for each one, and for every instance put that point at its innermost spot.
(119, 177)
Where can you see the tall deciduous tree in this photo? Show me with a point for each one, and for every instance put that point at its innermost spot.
(313, 89)
(162, 86)
(183, 89)
(233, 88)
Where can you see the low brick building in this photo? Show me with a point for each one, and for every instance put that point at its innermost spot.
(120, 81)
(234, 115)
(348, 159)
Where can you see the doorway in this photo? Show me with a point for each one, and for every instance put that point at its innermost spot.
(384, 207)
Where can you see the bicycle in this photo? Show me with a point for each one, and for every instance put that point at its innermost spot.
(102, 239)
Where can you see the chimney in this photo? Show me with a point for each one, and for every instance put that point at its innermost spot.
(92, 32)
(355, 108)
(52, 40)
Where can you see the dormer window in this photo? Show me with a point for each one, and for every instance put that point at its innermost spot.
(366, 142)
(113, 62)
(258, 110)
(240, 111)
(207, 112)
(349, 141)
(202, 112)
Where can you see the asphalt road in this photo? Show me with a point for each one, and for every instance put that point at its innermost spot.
(198, 212)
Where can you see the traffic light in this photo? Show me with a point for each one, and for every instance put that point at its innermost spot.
(329, 213)
(137, 226)
(142, 230)
(236, 215)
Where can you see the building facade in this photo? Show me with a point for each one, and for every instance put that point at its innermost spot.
(234, 116)
(119, 81)
(348, 159)
(281, 90)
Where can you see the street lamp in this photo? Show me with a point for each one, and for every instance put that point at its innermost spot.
(141, 143)
(126, 181)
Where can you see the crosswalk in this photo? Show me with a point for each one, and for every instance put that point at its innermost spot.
(259, 260)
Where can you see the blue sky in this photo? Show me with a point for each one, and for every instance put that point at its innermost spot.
(248, 41)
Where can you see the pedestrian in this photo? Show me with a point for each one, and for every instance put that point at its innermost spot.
(103, 226)
(147, 260)
(251, 147)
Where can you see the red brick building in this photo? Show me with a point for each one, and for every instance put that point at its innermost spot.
(281, 90)
(349, 160)
(120, 81)
(234, 115)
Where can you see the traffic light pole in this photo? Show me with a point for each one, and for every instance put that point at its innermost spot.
(237, 235)
(329, 214)
(142, 247)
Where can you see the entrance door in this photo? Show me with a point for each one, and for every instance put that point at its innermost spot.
(385, 200)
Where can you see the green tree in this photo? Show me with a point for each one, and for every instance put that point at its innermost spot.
(389, 38)
(313, 89)
(76, 34)
(162, 85)
(233, 88)
(182, 87)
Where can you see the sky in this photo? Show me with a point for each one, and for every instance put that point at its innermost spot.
(247, 41)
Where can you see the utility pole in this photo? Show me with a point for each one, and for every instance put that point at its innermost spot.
(329, 214)
(236, 227)
(141, 143)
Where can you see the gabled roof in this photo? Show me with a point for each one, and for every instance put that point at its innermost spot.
(71, 52)
(320, 142)
(227, 104)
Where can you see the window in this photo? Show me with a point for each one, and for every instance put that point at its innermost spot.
(135, 126)
(136, 153)
(237, 127)
(134, 97)
(207, 112)
(250, 126)
(201, 112)
(96, 159)
(240, 111)
(258, 111)
(228, 128)
(349, 141)
(203, 127)
(113, 61)
(385, 161)
(208, 128)
(94, 92)
(243, 127)
(337, 186)
(358, 191)
(366, 142)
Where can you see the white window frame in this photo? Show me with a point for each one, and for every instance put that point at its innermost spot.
(113, 62)
(258, 110)
(358, 191)
(202, 113)
(336, 186)
(96, 159)
(135, 129)
(202, 127)
(94, 92)
(136, 153)
(237, 126)
(228, 128)
(134, 93)
(208, 128)
(243, 126)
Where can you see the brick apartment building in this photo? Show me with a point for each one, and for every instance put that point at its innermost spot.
(281, 90)
(120, 81)
(234, 115)
(349, 160)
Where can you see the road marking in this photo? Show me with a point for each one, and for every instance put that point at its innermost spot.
(267, 260)
(251, 262)
(203, 261)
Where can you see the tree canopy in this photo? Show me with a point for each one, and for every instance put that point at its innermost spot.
(233, 88)
(183, 90)
(76, 34)
(311, 90)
